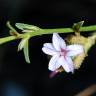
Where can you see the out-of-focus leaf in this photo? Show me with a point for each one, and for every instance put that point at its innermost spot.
(23, 26)
(27, 31)
(26, 52)
(10, 88)
(23, 45)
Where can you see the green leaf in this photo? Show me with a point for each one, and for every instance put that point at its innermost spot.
(10, 27)
(23, 26)
(76, 26)
(26, 52)
(23, 45)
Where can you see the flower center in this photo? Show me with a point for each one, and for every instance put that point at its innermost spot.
(63, 52)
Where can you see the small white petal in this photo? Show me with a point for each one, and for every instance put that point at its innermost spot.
(66, 64)
(53, 64)
(70, 63)
(49, 49)
(49, 45)
(58, 42)
(74, 50)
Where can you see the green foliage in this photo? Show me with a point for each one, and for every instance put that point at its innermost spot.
(27, 27)
(26, 52)
(31, 30)
(23, 45)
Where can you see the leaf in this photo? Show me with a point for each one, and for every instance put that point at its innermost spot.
(76, 26)
(23, 45)
(28, 31)
(23, 26)
(26, 52)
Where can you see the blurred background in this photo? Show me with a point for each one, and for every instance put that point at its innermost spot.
(33, 79)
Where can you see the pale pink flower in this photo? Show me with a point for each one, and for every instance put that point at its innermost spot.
(61, 54)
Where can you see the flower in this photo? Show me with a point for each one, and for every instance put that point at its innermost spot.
(61, 54)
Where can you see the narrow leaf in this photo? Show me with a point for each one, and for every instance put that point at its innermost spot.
(23, 26)
(22, 44)
(26, 52)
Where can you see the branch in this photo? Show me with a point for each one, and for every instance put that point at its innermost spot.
(42, 32)
(88, 91)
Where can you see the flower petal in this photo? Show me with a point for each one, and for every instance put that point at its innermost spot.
(49, 49)
(70, 63)
(74, 50)
(66, 63)
(58, 42)
(53, 64)
(49, 45)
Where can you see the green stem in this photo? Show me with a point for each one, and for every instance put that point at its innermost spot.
(7, 39)
(66, 30)
(45, 31)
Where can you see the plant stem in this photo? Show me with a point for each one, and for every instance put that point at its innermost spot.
(7, 39)
(67, 30)
(46, 31)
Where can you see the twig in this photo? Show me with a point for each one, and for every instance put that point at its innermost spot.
(88, 91)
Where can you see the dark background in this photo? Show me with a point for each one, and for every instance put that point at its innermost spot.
(34, 77)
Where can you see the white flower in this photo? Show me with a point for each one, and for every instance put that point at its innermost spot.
(61, 54)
